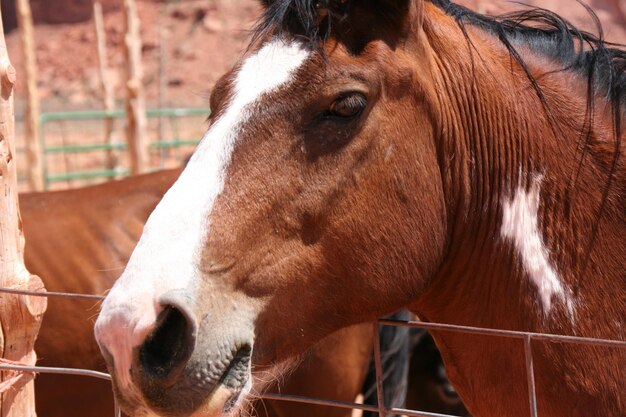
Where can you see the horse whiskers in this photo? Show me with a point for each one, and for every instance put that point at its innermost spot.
(93, 316)
(263, 379)
(261, 401)
(246, 406)
(274, 375)
(117, 268)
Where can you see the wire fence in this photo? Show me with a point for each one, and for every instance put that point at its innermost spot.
(526, 337)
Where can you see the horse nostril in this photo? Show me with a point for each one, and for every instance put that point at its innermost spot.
(169, 346)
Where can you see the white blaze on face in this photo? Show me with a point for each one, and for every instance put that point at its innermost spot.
(168, 254)
(520, 224)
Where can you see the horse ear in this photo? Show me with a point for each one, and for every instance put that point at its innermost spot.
(394, 11)
(399, 4)
(398, 7)
(389, 21)
(401, 9)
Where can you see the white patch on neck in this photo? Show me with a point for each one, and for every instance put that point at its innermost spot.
(520, 224)
(168, 254)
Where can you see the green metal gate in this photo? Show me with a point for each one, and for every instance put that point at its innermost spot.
(176, 138)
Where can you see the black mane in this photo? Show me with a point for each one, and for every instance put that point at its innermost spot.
(541, 30)
(294, 16)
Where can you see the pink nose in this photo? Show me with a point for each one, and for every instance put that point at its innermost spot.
(147, 346)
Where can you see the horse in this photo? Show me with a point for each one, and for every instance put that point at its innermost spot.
(77, 240)
(365, 156)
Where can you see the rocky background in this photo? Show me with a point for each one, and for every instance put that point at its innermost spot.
(201, 40)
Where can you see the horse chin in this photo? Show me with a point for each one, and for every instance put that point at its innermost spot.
(227, 398)
(225, 402)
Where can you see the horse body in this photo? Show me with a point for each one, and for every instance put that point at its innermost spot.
(466, 167)
(77, 241)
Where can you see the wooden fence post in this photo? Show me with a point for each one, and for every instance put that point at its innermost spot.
(164, 152)
(135, 101)
(20, 316)
(105, 86)
(31, 115)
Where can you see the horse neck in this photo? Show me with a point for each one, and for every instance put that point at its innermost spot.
(525, 239)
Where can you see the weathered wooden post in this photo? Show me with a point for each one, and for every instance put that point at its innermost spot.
(135, 100)
(31, 115)
(20, 316)
(164, 152)
(105, 86)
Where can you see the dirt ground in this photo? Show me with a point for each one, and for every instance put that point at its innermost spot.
(187, 45)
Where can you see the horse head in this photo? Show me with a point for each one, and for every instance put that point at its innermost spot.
(278, 231)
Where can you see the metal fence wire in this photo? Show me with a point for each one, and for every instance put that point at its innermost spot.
(382, 409)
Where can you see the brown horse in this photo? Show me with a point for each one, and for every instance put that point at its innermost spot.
(369, 155)
(77, 242)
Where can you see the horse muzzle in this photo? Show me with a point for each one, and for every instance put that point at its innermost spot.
(184, 363)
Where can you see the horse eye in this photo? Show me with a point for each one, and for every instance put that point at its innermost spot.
(349, 105)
